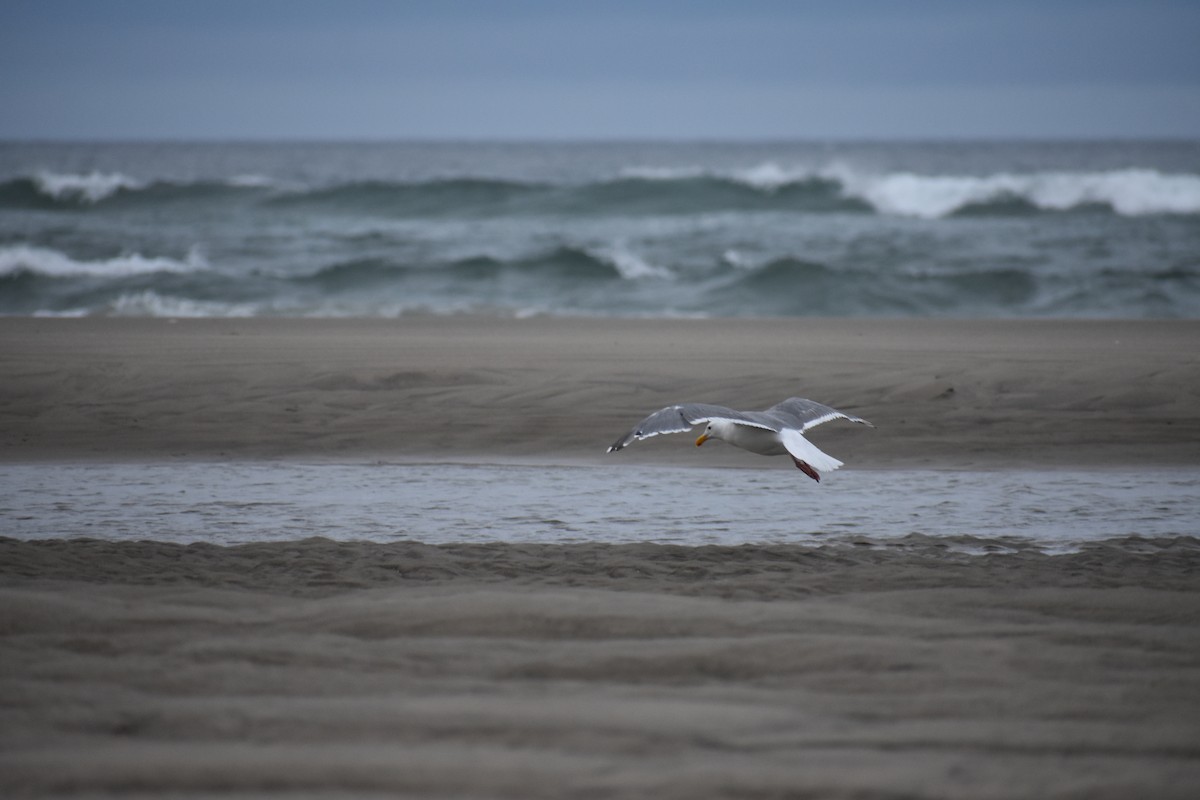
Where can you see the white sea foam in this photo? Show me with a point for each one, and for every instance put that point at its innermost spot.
(92, 187)
(771, 176)
(1130, 192)
(69, 313)
(664, 173)
(251, 181)
(630, 265)
(152, 304)
(44, 261)
(767, 176)
(738, 260)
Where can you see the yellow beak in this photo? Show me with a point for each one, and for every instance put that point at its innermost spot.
(703, 438)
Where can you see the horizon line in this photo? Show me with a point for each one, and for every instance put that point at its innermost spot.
(583, 140)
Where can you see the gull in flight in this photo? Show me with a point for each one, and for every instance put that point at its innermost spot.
(777, 431)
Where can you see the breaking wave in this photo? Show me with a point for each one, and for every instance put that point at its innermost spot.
(149, 303)
(680, 230)
(1130, 192)
(91, 188)
(567, 265)
(98, 190)
(25, 259)
(655, 190)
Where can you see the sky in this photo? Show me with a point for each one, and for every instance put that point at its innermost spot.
(535, 69)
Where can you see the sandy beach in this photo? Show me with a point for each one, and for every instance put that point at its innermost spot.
(1023, 393)
(329, 669)
(316, 668)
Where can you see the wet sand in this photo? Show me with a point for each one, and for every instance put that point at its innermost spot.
(321, 669)
(326, 669)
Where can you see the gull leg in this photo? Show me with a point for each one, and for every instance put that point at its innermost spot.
(804, 467)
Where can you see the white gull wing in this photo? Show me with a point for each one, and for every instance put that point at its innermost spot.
(800, 414)
(682, 417)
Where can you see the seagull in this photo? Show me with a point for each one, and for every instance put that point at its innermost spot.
(777, 431)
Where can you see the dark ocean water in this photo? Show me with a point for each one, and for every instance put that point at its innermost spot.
(964, 229)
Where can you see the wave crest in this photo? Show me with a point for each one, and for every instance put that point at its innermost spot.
(150, 303)
(48, 190)
(564, 264)
(767, 186)
(25, 259)
(91, 188)
(767, 176)
(1129, 192)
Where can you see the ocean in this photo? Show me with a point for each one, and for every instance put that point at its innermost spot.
(686, 229)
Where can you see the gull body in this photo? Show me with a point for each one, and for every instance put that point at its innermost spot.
(777, 431)
(756, 440)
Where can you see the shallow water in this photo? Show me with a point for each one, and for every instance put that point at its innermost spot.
(228, 503)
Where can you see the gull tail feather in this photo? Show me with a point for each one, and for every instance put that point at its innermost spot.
(805, 451)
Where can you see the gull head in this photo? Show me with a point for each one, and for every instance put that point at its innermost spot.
(713, 430)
